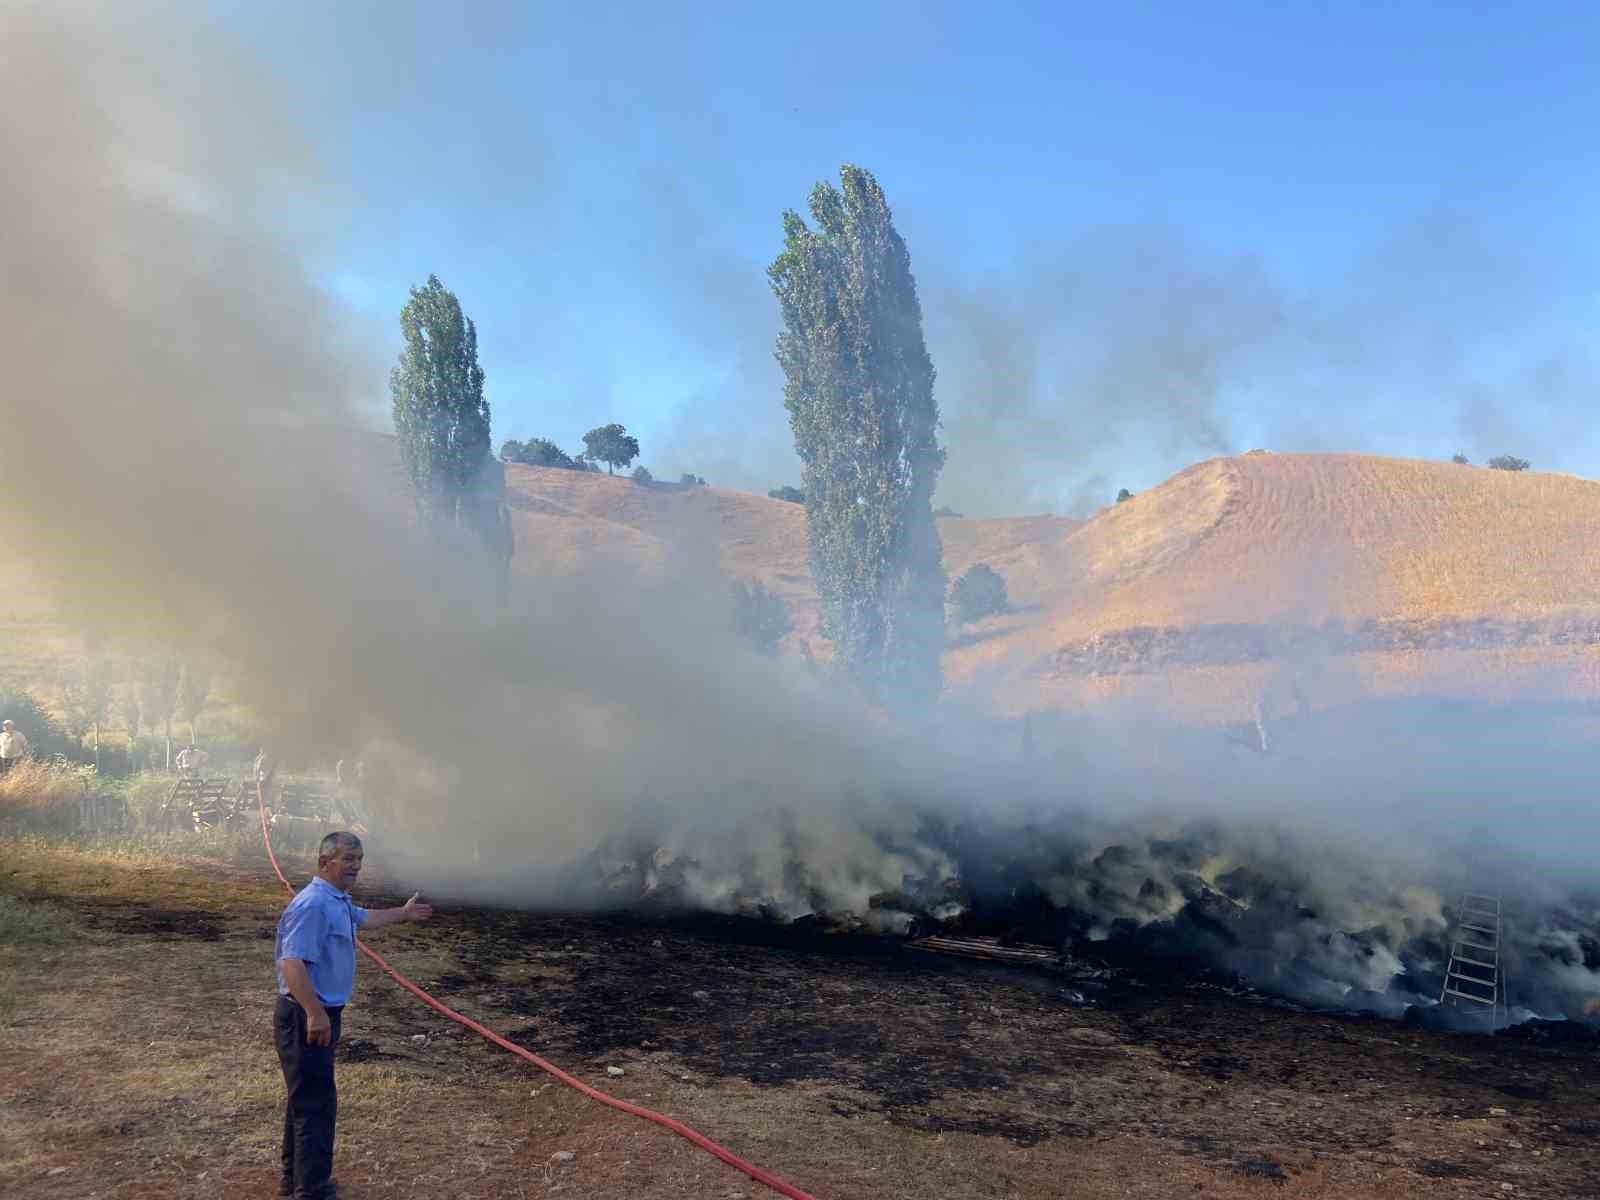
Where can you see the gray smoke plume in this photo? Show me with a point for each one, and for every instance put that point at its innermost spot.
(1131, 349)
(180, 456)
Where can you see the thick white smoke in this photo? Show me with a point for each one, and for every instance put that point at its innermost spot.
(180, 455)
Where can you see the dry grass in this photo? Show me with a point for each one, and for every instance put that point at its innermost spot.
(42, 795)
(1296, 539)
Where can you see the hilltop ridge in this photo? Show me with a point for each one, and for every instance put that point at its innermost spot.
(1344, 574)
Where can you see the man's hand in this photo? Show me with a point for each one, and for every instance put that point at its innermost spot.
(416, 909)
(319, 1029)
(413, 909)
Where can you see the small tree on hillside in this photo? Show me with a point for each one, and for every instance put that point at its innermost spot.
(1460, 460)
(1508, 462)
(538, 452)
(611, 445)
(792, 494)
(641, 475)
(980, 592)
(689, 479)
(1124, 494)
(760, 615)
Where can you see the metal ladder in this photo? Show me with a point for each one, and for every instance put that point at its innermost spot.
(1475, 978)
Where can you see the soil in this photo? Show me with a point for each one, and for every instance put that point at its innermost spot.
(940, 1044)
(853, 1065)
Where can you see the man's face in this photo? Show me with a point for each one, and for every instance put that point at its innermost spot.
(342, 869)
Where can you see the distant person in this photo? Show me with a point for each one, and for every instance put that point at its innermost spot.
(13, 746)
(316, 969)
(339, 773)
(192, 760)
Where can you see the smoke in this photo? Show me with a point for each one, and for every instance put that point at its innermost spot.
(181, 455)
(183, 461)
(1130, 351)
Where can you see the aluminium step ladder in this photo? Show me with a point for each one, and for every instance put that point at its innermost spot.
(1475, 979)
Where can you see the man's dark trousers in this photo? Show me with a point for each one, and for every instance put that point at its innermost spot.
(312, 1106)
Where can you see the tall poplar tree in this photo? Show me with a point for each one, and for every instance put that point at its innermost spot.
(859, 392)
(442, 420)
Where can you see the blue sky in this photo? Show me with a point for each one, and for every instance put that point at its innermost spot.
(1143, 234)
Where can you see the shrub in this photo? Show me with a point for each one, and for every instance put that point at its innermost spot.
(689, 480)
(1461, 460)
(1508, 462)
(792, 494)
(979, 593)
(944, 510)
(541, 452)
(1124, 494)
(642, 475)
(760, 615)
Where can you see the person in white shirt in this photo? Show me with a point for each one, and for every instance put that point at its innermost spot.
(13, 745)
(192, 760)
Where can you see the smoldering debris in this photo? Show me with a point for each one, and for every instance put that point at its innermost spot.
(1181, 902)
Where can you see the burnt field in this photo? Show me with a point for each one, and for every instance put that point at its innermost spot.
(850, 1065)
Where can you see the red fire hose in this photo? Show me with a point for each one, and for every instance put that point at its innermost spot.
(677, 1127)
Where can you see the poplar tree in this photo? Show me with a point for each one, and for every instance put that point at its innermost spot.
(442, 420)
(859, 391)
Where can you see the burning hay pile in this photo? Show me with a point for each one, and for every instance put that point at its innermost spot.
(1176, 904)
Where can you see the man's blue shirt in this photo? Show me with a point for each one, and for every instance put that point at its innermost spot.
(319, 927)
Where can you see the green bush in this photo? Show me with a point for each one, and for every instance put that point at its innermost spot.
(760, 615)
(979, 593)
(792, 494)
(538, 452)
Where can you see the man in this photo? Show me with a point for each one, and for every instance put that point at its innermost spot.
(192, 760)
(316, 967)
(13, 746)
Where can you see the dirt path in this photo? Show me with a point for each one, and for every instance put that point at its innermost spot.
(135, 1061)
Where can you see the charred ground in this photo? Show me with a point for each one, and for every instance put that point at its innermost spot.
(824, 1055)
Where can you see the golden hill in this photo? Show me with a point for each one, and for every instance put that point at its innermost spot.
(1311, 579)
(1262, 576)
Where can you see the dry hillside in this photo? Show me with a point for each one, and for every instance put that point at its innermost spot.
(1279, 578)
(1263, 576)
